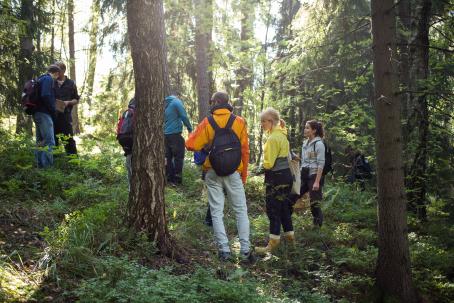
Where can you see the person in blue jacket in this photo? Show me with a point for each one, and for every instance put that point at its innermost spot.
(174, 116)
(43, 117)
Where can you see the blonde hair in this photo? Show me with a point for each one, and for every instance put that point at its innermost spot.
(273, 115)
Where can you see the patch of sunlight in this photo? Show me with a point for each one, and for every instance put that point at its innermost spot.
(18, 285)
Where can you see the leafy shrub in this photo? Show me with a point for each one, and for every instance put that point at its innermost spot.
(120, 280)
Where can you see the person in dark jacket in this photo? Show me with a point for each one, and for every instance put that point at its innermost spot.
(360, 168)
(43, 117)
(65, 91)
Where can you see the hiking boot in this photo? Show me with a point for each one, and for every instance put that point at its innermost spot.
(224, 256)
(248, 258)
(273, 243)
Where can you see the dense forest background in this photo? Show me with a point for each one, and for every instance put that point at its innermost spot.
(61, 237)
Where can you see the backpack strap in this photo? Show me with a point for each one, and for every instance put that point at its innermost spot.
(216, 126)
(213, 123)
(230, 122)
(315, 143)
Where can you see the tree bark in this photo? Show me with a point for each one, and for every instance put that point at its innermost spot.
(417, 187)
(93, 50)
(203, 37)
(26, 72)
(146, 208)
(393, 265)
(72, 62)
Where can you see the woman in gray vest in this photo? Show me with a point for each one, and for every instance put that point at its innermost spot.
(312, 163)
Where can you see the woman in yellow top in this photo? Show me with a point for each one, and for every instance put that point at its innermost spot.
(278, 179)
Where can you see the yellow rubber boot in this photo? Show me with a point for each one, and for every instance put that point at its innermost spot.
(272, 244)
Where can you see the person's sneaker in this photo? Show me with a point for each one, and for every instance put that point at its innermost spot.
(225, 256)
(248, 258)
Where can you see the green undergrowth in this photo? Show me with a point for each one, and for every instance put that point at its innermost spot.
(76, 246)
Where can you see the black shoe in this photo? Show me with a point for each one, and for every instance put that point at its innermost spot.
(248, 258)
(225, 256)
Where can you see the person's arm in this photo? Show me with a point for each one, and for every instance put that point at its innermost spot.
(320, 153)
(74, 98)
(183, 115)
(199, 138)
(244, 140)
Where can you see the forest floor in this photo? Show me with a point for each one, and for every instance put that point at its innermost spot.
(63, 239)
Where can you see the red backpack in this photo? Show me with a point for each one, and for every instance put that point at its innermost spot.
(30, 96)
(125, 128)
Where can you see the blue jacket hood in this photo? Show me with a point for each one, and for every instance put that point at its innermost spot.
(170, 99)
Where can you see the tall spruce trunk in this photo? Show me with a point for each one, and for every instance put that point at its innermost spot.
(146, 208)
(72, 62)
(93, 50)
(417, 183)
(24, 122)
(203, 37)
(393, 272)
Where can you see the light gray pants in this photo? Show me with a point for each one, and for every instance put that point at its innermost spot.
(235, 192)
(129, 169)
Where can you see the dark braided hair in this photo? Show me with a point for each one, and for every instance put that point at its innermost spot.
(317, 126)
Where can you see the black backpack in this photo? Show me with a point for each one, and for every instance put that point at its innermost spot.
(30, 96)
(225, 154)
(328, 158)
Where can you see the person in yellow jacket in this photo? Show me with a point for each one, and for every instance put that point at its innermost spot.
(221, 112)
(278, 180)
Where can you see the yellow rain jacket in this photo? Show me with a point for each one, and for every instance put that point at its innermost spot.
(276, 146)
(204, 134)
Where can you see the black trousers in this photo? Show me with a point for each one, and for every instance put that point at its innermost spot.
(174, 145)
(315, 196)
(278, 204)
(63, 128)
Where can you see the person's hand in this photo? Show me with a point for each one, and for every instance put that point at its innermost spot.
(67, 103)
(316, 186)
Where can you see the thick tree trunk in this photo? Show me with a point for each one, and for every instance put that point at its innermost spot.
(393, 264)
(146, 208)
(93, 50)
(24, 122)
(72, 62)
(420, 69)
(204, 26)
